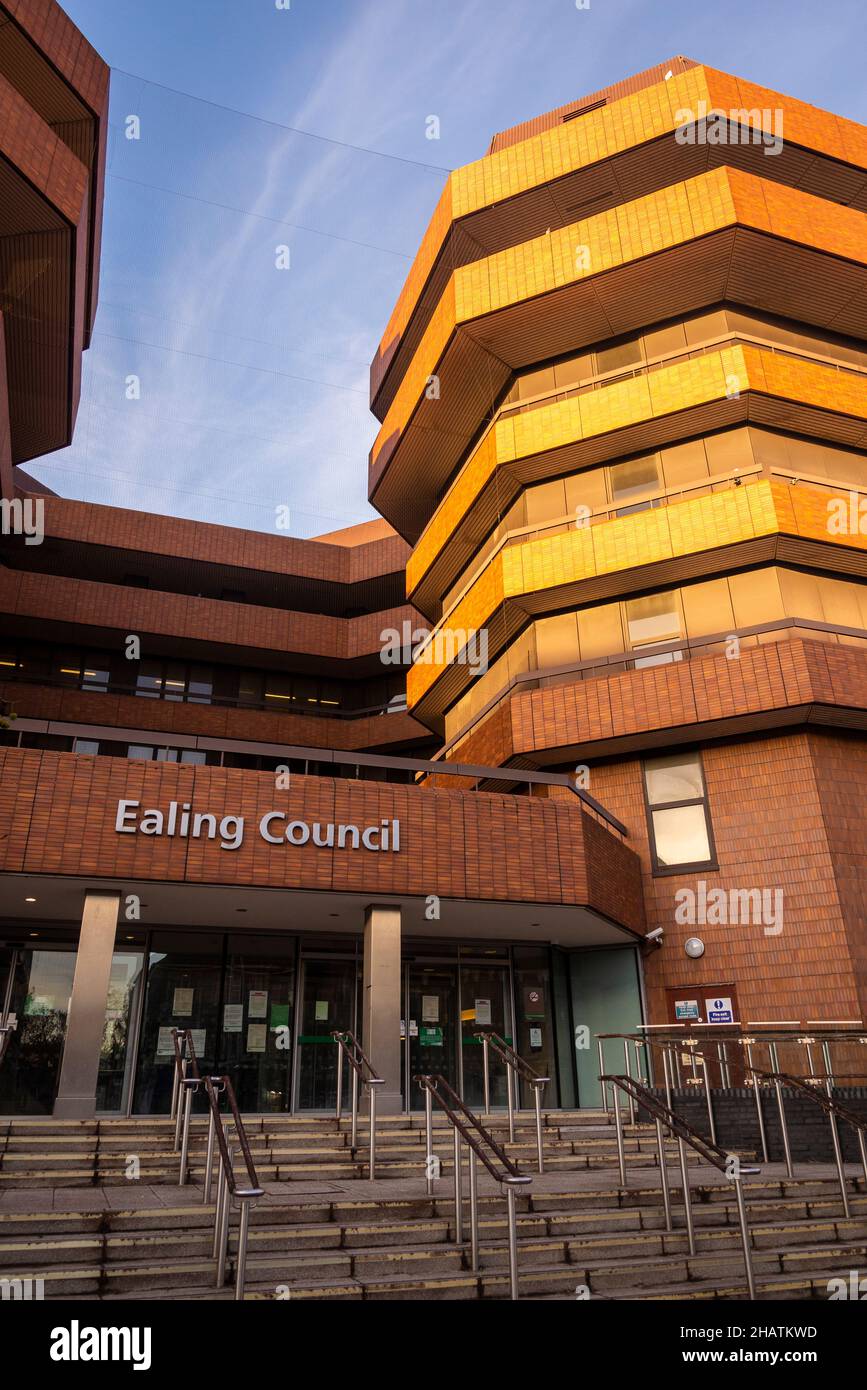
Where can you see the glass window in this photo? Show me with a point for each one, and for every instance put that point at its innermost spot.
(684, 463)
(728, 451)
(96, 673)
(536, 383)
(200, 685)
(8, 660)
(278, 689)
(678, 812)
(706, 326)
(140, 750)
(680, 836)
(619, 357)
(756, 597)
(85, 745)
(801, 596)
(633, 480)
(655, 618)
(149, 681)
(68, 668)
(662, 342)
(305, 691)
(707, 608)
(251, 688)
(174, 681)
(546, 502)
(586, 490)
(575, 371)
(600, 631)
(557, 640)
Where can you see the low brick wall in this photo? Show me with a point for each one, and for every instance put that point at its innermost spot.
(737, 1124)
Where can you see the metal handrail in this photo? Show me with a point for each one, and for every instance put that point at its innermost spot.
(809, 1086)
(726, 1163)
(480, 1145)
(515, 1066)
(349, 1047)
(227, 1185)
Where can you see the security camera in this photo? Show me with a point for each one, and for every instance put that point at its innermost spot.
(655, 935)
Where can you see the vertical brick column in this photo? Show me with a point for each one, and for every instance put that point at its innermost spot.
(76, 1095)
(381, 1006)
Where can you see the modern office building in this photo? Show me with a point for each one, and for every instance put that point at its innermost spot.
(625, 379)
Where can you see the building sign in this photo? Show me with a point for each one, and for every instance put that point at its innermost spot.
(719, 1010)
(180, 821)
(686, 1009)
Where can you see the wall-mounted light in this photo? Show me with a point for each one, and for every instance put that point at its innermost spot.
(694, 947)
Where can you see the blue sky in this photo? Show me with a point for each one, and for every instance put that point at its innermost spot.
(254, 380)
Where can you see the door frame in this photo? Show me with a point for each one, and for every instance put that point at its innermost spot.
(303, 958)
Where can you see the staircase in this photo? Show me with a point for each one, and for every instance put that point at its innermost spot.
(71, 1216)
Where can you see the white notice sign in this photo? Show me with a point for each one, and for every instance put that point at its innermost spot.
(182, 1003)
(256, 1037)
(233, 1018)
(430, 1008)
(483, 1011)
(258, 1003)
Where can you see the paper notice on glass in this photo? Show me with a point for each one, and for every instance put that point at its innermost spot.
(483, 1011)
(165, 1045)
(199, 1038)
(258, 1003)
(257, 1034)
(430, 1008)
(535, 1037)
(321, 1014)
(233, 1018)
(182, 1003)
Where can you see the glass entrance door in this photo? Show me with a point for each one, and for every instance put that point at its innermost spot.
(328, 1001)
(39, 1000)
(485, 1003)
(432, 1024)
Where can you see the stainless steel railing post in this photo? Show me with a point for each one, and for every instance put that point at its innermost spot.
(189, 1088)
(618, 1123)
(511, 1096)
(629, 1074)
(371, 1090)
(663, 1175)
(459, 1196)
(783, 1125)
(486, 1073)
(218, 1207)
(241, 1263)
(708, 1098)
(428, 1125)
(760, 1114)
(687, 1200)
(601, 1052)
(339, 1082)
(513, 1242)
(223, 1232)
(862, 1145)
(666, 1072)
(474, 1212)
(177, 1105)
(537, 1089)
(745, 1238)
(354, 1137)
(209, 1160)
(826, 1058)
(838, 1156)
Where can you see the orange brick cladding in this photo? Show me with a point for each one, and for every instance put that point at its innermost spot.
(57, 816)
